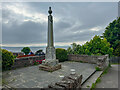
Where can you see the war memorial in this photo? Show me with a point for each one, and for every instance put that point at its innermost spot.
(51, 63)
(73, 73)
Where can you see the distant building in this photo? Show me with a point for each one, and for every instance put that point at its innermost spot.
(18, 53)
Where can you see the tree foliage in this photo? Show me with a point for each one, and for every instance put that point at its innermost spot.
(61, 54)
(39, 51)
(117, 50)
(112, 34)
(96, 46)
(26, 50)
(7, 59)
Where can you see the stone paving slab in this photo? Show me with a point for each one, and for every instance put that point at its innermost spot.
(32, 77)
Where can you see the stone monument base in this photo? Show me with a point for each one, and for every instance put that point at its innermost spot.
(50, 68)
(50, 65)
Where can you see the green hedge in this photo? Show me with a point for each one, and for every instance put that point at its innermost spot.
(61, 54)
(7, 59)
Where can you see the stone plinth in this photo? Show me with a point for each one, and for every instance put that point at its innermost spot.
(50, 65)
(50, 68)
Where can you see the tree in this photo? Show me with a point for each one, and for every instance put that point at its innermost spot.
(117, 50)
(96, 46)
(26, 50)
(39, 52)
(112, 34)
(75, 49)
(7, 59)
(69, 50)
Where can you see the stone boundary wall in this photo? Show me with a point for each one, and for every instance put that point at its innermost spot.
(101, 61)
(26, 61)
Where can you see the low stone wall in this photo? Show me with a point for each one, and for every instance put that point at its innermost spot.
(26, 61)
(72, 81)
(101, 61)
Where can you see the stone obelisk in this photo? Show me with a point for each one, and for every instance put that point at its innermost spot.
(50, 50)
(50, 63)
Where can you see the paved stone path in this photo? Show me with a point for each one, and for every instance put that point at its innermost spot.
(110, 80)
(32, 77)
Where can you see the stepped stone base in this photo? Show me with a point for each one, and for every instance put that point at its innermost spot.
(50, 68)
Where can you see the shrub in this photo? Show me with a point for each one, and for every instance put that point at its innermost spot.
(7, 59)
(15, 56)
(26, 50)
(35, 63)
(61, 54)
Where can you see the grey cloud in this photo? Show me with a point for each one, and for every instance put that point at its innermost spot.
(72, 17)
(75, 37)
(26, 33)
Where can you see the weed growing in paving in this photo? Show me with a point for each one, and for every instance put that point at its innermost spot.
(88, 86)
(98, 80)
(4, 82)
(97, 69)
(109, 65)
(93, 86)
(106, 70)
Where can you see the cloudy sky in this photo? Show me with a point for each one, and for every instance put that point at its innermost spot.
(25, 24)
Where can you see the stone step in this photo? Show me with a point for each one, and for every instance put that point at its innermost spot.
(91, 79)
